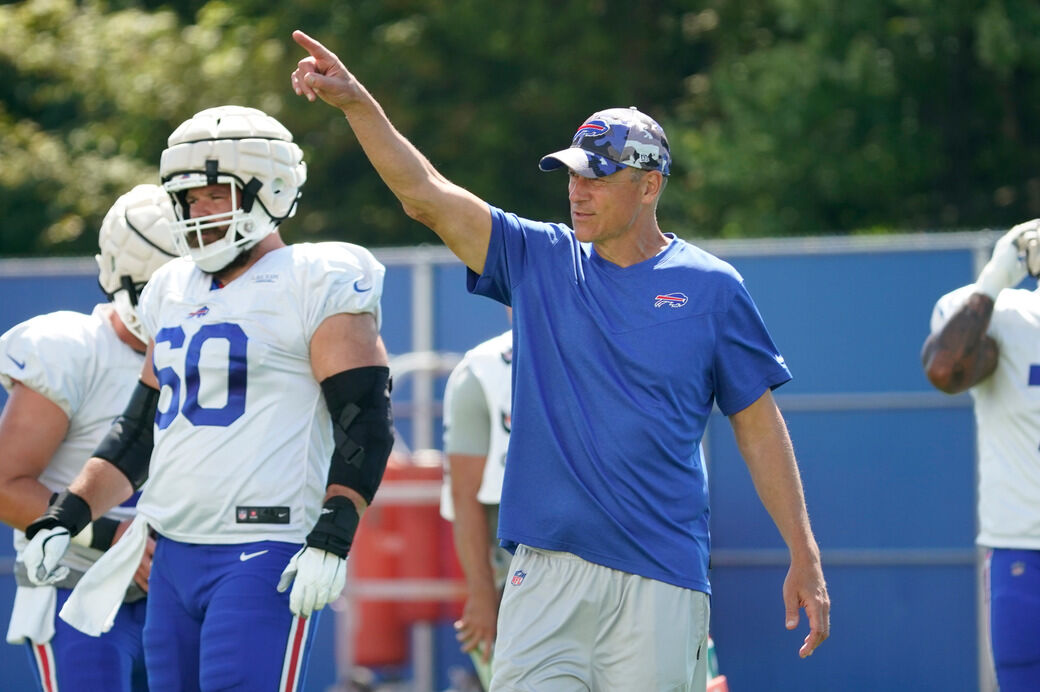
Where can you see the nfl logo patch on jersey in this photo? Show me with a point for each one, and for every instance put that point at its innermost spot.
(518, 577)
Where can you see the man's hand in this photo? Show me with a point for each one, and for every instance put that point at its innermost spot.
(1007, 267)
(317, 577)
(804, 587)
(322, 75)
(144, 568)
(44, 552)
(478, 624)
(49, 537)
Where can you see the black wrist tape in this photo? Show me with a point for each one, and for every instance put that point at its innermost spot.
(334, 532)
(68, 510)
(104, 533)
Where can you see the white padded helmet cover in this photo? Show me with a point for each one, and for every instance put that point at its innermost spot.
(135, 237)
(246, 143)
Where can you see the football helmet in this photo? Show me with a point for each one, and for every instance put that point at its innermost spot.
(134, 241)
(249, 150)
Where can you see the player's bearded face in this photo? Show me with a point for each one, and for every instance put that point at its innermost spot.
(207, 201)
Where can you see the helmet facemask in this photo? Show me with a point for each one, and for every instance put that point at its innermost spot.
(244, 225)
(246, 149)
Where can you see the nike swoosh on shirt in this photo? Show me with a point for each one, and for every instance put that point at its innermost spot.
(249, 556)
(20, 364)
(358, 288)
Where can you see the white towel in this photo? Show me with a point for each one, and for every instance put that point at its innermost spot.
(32, 617)
(94, 602)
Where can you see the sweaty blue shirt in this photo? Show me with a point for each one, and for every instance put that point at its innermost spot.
(615, 371)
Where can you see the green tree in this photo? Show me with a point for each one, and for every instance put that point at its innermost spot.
(786, 116)
(824, 116)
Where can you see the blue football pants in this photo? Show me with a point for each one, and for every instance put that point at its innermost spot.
(216, 622)
(1014, 584)
(75, 662)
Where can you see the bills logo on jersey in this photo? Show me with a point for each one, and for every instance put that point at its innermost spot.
(518, 577)
(672, 300)
(592, 128)
(201, 312)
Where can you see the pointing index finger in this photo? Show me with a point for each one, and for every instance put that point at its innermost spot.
(312, 46)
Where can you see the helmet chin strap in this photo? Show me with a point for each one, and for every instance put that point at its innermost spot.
(127, 313)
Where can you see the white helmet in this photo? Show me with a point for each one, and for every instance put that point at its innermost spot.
(246, 148)
(134, 240)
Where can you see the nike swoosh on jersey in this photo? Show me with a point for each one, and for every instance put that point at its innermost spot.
(249, 556)
(20, 364)
(359, 289)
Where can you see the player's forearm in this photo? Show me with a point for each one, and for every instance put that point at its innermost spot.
(470, 531)
(960, 355)
(779, 486)
(102, 486)
(767, 450)
(404, 169)
(459, 217)
(22, 500)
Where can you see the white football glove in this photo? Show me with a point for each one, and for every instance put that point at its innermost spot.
(1028, 243)
(1007, 267)
(317, 577)
(43, 553)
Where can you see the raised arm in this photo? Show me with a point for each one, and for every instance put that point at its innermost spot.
(460, 218)
(766, 447)
(960, 354)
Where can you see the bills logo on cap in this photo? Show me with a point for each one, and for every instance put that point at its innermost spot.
(518, 577)
(590, 129)
(672, 300)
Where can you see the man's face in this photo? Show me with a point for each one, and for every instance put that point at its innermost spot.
(206, 201)
(604, 208)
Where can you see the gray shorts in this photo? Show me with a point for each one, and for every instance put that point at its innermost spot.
(567, 624)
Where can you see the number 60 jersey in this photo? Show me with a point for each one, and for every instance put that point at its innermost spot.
(242, 434)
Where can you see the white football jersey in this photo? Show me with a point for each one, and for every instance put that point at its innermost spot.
(78, 362)
(491, 362)
(1007, 413)
(243, 437)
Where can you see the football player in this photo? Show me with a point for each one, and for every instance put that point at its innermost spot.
(261, 421)
(477, 423)
(68, 375)
(983, 339)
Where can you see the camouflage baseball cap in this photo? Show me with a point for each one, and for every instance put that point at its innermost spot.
(611, 139)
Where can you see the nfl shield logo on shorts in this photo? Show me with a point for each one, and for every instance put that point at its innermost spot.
(518, 577)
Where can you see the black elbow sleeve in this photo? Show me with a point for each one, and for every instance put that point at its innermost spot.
(128, 444)
(362, 427)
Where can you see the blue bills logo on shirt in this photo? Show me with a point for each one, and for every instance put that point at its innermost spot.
(518, 577)
(672, 300)
(201, 312)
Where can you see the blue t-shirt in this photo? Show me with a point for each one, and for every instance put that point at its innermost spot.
(615, 370)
